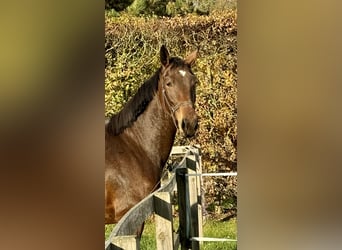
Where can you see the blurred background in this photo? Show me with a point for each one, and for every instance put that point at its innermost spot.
(52, 74)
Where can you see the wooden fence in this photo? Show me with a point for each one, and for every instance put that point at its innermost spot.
(186, 179)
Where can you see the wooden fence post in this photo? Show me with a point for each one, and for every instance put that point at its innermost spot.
(200, 194)
(193, 199)
(125, 242)
(184, 221)
(163, 219)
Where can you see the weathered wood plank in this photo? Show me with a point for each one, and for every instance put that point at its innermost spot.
(140, 212)
(176, 150)
(125, 242)
(200, 194)
(183, 150)
(163, 219)
(131, 221)
(175, 240)
(193, 199)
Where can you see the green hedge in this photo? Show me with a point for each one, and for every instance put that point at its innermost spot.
(168, 8)
(132, 55)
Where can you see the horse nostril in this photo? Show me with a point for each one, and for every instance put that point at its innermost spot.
(196, 125)
(183, 124)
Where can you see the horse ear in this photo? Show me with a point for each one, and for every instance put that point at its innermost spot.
(190, 59)
(164, 55)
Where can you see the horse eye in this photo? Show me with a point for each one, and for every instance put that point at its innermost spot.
(168, 84)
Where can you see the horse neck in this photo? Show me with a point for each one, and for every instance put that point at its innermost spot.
(155, 131)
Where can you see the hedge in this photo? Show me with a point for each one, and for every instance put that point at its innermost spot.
(132, 55)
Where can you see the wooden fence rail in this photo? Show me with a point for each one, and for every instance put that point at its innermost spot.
(187, 181)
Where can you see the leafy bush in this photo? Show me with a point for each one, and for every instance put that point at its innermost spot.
(132, 56)
(169, 8)
(117, 5)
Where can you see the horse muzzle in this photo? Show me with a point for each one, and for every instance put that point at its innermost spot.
(189, 126)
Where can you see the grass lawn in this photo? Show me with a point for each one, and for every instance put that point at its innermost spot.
(217, 229)
(211, 228)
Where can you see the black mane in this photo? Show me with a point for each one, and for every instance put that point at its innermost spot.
(138, 103)
(134, 107)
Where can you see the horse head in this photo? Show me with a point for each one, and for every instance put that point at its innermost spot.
(178, 86)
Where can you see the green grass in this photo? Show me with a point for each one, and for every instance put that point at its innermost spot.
(148, 240)
(217, 229)
(108, 230)
(211, 228)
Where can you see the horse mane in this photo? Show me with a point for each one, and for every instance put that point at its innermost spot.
(134, 107)
(138, 103)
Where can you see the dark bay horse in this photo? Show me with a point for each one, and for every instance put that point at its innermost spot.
(139, 138)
